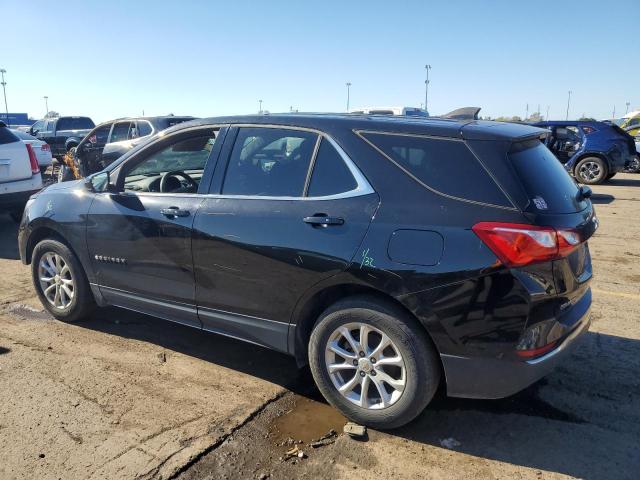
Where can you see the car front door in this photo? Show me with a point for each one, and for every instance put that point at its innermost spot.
(119, 142)
(289, 211)
(139, 239)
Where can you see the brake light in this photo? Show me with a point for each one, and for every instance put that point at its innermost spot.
(33, 160)
(45, 147)
(536, 352)
(517, 245)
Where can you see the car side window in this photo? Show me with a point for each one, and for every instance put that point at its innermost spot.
(120, 132)
(144, 128)
(330, 175)
(175, 168)
(269, 162)
(99, 136)
(444, 165)
(38, 126)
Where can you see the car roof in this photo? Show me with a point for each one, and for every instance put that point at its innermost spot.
(431, 126)
(568, 123)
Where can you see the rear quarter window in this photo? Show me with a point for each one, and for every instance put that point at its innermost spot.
(547, 184)
(445, 166)
(7, 136)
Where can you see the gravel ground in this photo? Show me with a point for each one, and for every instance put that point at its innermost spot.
(128, 396)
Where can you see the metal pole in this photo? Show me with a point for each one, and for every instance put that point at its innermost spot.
(627, 109)
(46, 104)
(568, 103)
(260, 104)
(426, 89)
(4, 91)
(547, 118)
(614, 113)
(348, 84)
(526, 115)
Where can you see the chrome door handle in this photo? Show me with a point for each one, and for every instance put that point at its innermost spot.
(173, 212)
(323, 220)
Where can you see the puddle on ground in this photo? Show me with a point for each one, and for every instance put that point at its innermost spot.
(308, 420)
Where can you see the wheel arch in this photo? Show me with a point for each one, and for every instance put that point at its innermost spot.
(43, 232)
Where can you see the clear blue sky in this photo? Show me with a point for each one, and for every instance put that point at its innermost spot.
(114, 58)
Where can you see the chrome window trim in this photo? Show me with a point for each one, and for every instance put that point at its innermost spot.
(363, 187)
(360, 133)
(153, 129)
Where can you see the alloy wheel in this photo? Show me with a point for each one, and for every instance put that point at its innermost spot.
(365, 366)
(56, 280)
(590, 170)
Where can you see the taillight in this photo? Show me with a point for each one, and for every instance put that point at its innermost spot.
(517, 245)
(33, 160)
(45, 147)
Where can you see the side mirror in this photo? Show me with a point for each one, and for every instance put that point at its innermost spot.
(99, 182)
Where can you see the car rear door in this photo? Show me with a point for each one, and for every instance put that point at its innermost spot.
(289, 210)
(139, 239)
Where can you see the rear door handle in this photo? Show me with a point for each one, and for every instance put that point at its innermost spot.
(323, 220)
(173, 212)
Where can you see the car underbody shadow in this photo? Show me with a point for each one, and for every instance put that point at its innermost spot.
(624, 182)
(8, 238)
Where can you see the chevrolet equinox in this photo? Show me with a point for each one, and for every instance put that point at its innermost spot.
(389, 254)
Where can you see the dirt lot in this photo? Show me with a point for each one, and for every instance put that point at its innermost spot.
(128, 396)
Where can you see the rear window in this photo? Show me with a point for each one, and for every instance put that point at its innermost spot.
(548, 185)
(75, 123)
(7, 136)
(444, 165)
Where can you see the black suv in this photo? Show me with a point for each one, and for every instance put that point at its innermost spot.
(388, 253)
(61, 133)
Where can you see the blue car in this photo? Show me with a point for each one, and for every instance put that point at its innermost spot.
(590, 151)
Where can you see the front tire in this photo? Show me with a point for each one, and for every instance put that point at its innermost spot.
(373, 362)
(591, 171)
(60, 281)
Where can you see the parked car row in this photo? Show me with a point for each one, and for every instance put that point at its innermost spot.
(345, 241)
(61, 133)
(110, 140)
(19, 172)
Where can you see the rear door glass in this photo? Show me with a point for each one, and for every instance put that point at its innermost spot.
(331, 175)
(444, 165)
(548, 185)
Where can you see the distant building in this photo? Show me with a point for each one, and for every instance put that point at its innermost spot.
(15, 119)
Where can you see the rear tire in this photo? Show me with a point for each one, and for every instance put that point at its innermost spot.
(408, 369)
(591, 171)
(60, 281)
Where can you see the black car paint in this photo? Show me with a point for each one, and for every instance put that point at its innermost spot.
(261, 274)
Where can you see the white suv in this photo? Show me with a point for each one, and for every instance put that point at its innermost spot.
(19, 173)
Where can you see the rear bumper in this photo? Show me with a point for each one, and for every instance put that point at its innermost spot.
(473, 377)
(14, 195)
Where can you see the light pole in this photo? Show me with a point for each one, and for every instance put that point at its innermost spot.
(568, 103)
(547, 117)
(526, 115)
(46, 105)
(613, 115)
(627, 109)
(426, 89)
(260, 106)
(348, 85)
(4, 91)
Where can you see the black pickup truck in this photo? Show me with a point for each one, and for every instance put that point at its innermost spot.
(62, 133)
